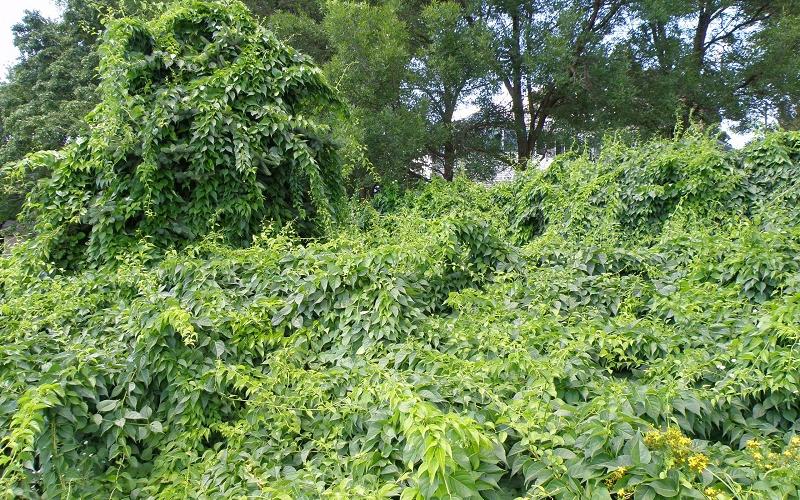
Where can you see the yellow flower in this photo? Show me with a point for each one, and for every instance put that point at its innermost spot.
(711, 492)
(698, 462)
(652, 439)
(616, 476)
(677, 441)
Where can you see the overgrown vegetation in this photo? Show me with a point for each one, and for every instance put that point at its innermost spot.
(206, 121)
(200, 315)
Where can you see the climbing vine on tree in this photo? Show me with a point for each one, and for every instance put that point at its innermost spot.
(206, 123)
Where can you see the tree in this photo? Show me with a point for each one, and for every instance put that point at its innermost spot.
(450, 66)
(544, 53)
(298, 23)
(711, 59)
(266, 8)
(773, 71)
(370, 67)
(53, 86)
(572, 70)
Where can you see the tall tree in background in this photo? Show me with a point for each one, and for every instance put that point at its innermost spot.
(772, 74)
(53, 85)
(370, 66)
(450, 67)
(297, 22)
(711, 59)
(544, 53)
(265, 8)
(566, 71)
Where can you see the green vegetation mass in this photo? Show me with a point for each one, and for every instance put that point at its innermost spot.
(201, 313)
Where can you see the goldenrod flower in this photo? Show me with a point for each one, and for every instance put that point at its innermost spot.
(698, 462)
(616, 476)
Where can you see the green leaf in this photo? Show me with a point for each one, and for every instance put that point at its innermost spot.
(665, 487)
(219, 348)
(107, 405)
(640, 455)
(644, 492)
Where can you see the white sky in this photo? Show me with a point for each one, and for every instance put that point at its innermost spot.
(11, 12)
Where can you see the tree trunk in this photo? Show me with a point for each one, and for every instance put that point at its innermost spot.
(700, 34)
(704, 19)
(514, 88)
(449, 160)
(449, 156)
(520, 127)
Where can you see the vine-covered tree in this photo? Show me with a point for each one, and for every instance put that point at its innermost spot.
(205, 122)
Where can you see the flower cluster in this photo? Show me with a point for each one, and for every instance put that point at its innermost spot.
(698, 462)
(678, 446)
(767, 459)
(672, 439)
(615, 476)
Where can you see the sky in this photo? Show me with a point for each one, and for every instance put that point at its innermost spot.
(11, 12)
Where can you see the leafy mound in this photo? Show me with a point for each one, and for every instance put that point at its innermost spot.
(206, 123)
(640, 340)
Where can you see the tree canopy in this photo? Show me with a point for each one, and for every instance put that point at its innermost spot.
(471, 85)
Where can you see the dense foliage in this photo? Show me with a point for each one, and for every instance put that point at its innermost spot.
(639, 339)
(205, 121)
(199, 314)
(471, 86)
(47, 92)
